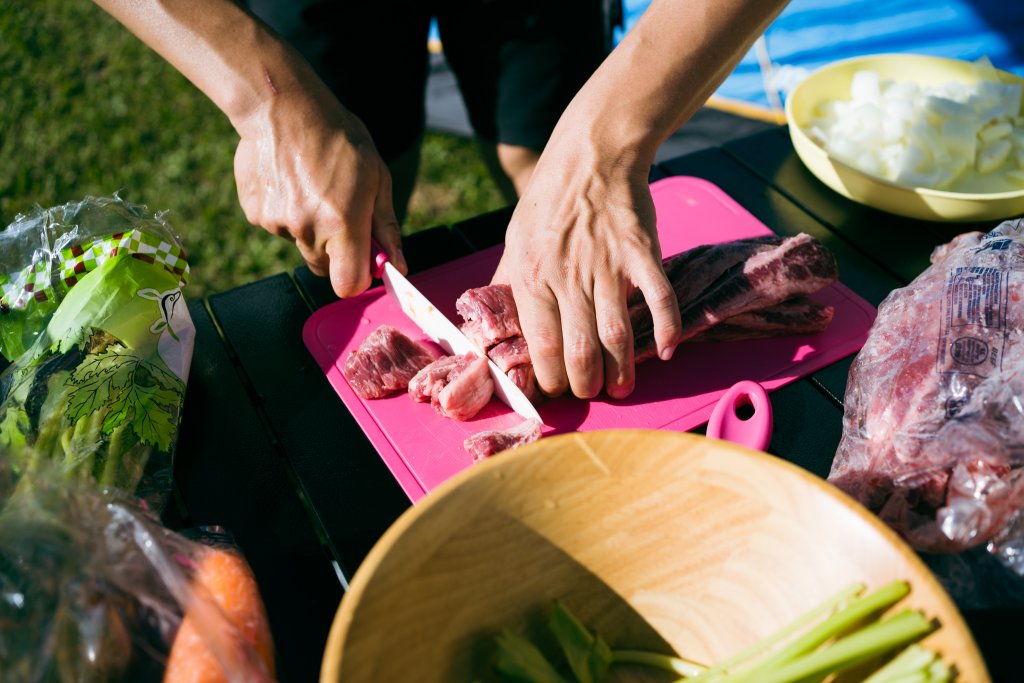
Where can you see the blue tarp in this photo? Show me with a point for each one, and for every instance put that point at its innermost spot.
(812, 33)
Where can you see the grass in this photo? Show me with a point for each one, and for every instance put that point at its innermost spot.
(86, 108)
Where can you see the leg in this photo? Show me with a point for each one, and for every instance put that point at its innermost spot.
(518, 63)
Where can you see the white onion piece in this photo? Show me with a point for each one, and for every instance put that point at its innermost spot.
(959, 136)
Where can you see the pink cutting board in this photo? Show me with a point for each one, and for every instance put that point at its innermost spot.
(423, 449)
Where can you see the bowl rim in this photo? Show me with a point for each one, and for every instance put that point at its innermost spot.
(797, 130)
(343, 616)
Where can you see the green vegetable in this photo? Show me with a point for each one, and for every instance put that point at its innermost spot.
(588, 655)
(842, 632)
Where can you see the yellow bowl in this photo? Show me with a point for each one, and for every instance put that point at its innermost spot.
(658, 540)
(832, 82)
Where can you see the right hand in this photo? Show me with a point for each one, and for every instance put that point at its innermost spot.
(307, 170)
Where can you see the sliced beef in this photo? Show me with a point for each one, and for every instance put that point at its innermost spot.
(798, 315)
(429, 381)
(384, 363)
(490, 314)
(457, 386)
(742, 289)
(509, 353)
(484, 444)
(525, 378)
(798, 266)
(467, 392)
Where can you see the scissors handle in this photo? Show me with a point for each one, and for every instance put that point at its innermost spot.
(754, 432)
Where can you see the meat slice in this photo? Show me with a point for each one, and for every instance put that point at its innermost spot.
(467, 392)
(800, 265)
(524, 377)
(429, 381)
(490, 314)
(510, 353)
(798, 315)
(384, 363)
(933, 435)
(457, 386)
(484, 444)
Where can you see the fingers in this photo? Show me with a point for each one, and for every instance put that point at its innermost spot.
(616, 335)
(584, 361)
(385, 225)
(661, 299)
(542, 327)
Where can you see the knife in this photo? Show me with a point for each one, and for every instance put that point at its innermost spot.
(436, 326)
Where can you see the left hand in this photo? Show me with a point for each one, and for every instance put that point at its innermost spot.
(582, 236)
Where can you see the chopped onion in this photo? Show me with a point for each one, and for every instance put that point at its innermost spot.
(966, 137)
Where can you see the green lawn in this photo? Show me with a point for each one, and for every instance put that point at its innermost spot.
(86, 108)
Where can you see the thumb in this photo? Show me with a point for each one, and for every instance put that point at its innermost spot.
(385, 226)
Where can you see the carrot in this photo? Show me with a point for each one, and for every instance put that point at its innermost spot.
(230, 582)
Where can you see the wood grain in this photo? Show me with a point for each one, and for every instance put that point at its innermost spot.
(657, 540)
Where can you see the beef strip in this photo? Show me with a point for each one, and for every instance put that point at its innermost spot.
(490, 314)
(469, 388)
(429, 381)
(384, 363)
(484, 444)
(509, 353)
(798, 315)
(525, 378)
(745, 283)
(799, 265)
(933, 428)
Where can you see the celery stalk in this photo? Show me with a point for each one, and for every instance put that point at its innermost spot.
(870, 641)
(781, 634)
(913, 659)
(834, 625)
(683, 667)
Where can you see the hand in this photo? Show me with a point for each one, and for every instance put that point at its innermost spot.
(581, 237)
(307, 170)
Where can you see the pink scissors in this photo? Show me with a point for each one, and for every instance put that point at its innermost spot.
(754, 432)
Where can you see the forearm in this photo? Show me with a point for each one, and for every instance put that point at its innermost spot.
(232, 57)
(663, 71)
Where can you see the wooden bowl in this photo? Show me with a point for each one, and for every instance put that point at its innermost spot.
(656, 540)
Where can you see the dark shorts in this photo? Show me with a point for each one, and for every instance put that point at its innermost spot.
(518, 62)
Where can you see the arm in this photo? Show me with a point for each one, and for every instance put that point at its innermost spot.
(584, 231)
(305, 167)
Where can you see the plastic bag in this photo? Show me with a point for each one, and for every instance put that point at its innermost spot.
(94, 589)
(100, 339)
(933, 430)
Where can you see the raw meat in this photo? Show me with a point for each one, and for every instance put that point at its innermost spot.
(384, 363)
(428, 382)
(490, 313)
(509, 353)
(799, 265)
(933, 429)
(483, 444)
(525, 378)
(752, 287)
(798, 315)
(457, 386)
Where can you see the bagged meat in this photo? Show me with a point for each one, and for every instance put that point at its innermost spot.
(385, 362)
(933, 430)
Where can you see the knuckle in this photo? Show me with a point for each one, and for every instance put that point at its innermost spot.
(581, 354)
(615, 334)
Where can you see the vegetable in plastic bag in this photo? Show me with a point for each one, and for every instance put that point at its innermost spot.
(933, 430)
(93, 320)
(94, 589)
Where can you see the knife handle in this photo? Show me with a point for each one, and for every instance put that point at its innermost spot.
(377, 258)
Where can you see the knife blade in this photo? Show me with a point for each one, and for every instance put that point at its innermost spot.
(435, 325)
